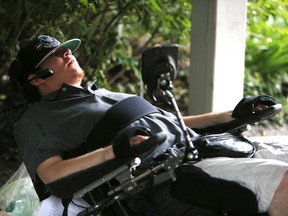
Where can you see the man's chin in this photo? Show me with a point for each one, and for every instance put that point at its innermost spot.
(82, 74)
(79, 74)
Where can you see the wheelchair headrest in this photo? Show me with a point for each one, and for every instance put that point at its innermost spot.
(157, 61)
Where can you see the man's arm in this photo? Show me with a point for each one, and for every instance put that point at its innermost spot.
(257, 103)
(207, 119)
(55, 167)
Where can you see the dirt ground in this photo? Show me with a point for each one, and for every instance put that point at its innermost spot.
(10, 159)
(267, 130)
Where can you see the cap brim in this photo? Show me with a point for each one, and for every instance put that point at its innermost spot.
(72, 44)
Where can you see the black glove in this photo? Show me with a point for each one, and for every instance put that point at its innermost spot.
(124, 152)
(244, 110)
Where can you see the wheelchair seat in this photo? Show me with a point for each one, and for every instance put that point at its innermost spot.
(108, 195)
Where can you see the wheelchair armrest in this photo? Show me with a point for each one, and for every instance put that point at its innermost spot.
(79, 183)
(237, 125)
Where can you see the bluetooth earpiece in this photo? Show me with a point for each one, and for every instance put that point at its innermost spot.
(43, 74)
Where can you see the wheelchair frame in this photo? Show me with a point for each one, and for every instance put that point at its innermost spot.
(163, 171)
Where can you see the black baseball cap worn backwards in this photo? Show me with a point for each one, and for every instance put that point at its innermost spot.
(33, 52)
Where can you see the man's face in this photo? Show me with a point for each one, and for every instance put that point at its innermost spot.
(65, 67)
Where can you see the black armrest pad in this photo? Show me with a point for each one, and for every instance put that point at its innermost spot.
(239, 123)
(69, 185)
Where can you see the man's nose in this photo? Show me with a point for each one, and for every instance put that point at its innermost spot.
(67, 53)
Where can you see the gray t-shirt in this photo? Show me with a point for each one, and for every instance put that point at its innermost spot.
(62, 120)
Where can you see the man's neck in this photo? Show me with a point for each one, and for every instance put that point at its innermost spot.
(66, 91)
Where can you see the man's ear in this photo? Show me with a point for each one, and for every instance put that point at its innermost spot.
(34, 80)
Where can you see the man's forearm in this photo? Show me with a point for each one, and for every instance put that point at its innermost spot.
(55, 167)
(207, 119)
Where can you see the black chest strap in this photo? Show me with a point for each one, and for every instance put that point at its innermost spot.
(119, 116)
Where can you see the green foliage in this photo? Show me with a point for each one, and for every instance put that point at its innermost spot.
(266, 50)
(114, 33)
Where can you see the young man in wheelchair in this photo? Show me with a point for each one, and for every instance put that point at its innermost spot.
(66, 113)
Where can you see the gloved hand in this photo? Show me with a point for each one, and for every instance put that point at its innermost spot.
(124, 152)
(245, 109)
(246, 112)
